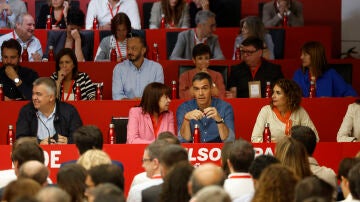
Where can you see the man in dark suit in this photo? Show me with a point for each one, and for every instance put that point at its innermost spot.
(252, 68)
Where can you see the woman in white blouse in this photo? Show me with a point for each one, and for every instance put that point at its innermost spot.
(350, 128)
(283, 112)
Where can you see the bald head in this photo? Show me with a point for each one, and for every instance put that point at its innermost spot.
(205, 175)
(34, 170)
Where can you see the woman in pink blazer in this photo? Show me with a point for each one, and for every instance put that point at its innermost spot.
(152, 116)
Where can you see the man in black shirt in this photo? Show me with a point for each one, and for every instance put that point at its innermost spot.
(17, 81)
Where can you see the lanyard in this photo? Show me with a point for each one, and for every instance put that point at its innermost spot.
(156, 126)
(157, 176)
(69, 91)
(57, 21)
(111, 10)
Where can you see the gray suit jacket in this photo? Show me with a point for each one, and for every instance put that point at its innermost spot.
(186, 42)
(271, 19)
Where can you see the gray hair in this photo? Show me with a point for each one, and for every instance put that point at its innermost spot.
(48, 82)
(202, 16)
(20, 18)
(53, 194)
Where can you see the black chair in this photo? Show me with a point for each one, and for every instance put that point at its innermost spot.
(278, 37)
(345, 70)
(120, 124)
(171, 38)
(223, 70)
(147, 14)
(260, 9)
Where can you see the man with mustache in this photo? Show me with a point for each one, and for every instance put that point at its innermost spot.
(17, 80)
(24, 34)
(132, 75)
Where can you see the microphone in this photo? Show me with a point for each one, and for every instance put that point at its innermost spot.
(37, 115)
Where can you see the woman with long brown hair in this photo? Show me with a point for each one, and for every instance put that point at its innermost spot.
(176, 14)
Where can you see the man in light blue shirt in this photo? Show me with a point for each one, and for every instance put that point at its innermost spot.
(131, 76)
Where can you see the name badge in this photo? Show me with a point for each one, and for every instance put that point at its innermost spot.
(254, 89)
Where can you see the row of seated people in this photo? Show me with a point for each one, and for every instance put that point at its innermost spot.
(131, 76)
(172, 44)
(179, 14)
(178, 47)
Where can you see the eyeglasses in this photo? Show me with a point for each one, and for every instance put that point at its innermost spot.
(248, 52)
(145, 159)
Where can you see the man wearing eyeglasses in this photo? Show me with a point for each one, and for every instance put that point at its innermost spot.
(203, 33)
(253, 72)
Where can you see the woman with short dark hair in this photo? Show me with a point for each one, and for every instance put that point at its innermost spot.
(152, 116)
(283, 112)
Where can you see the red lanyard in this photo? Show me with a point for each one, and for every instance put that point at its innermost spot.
(156, 126)
(27, 45)
(111, 10)
(157, 176)
(69, 91)
(239, 176)
(57, 21)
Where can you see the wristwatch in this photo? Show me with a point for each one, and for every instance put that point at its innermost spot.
(16, 80)
(221, 121)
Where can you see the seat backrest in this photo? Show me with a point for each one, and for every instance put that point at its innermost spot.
(345, 71)
(146, 14)
(261, 8)
(222, 69)
(120, 128)
(38, 5)
(171, 38)
(278, 37)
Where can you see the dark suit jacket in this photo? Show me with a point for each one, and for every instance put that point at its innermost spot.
(240, 76)
(151, 194)
(57, 38)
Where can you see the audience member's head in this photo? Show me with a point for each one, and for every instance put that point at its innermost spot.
(212, 193)
(21, 187)
(88, 137)
(168, 137)
(306, 136)
(107, 192)
(105, 174)
(24, 26)
(201, 50)
(252, 26)
(170, 155)
(155, 98)
(71, 178)
(11, 44)
(34, 170)
(26, 149)
(174, 187)
(53, 194)
(354, 181)
(313, 57)
(241, 154)
(136, 47)
(344, 167)
(276, 183)
(75, 18)
(67, 55)
(259, 164)
(313, 186)
(120, 26)
(205, 22)
(151, 156)
(252, 51)
(93, 157)
(205, 175)
(292, 153)
(225, 156)
(291, 92)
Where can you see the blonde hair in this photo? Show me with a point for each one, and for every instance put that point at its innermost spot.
(93, 157)
(292, 153)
